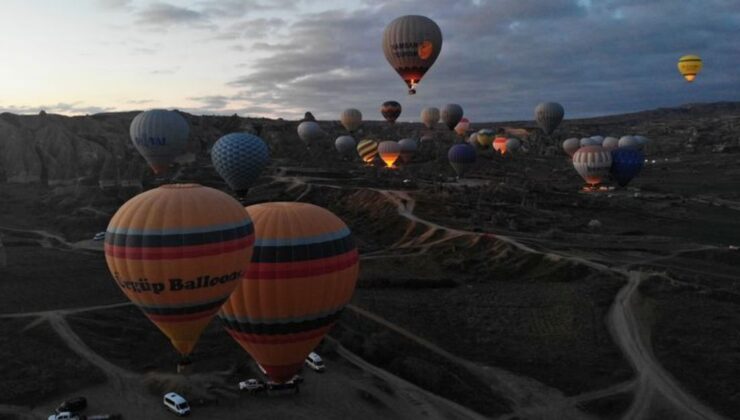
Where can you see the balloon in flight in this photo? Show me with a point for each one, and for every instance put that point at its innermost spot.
(548, 116)
(411, 45)
(346, 145)
(177, 252)
(159, 136)
(310, 132)
(451, 115)
(367, 149)
(351, 119)
(390, 110)
(430, 117)
(303, 272)
(240, 158)
(689, 66)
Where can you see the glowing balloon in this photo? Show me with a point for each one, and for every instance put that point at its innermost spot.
(689, 66)
(240, 159)
(462, 127)
(411, 45)
(499, 145)
(592, 163)
(367, 149)
(159, 136)
(177, 252)
(303, 272)
(389, 152)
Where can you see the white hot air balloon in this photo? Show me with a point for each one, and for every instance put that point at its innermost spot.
(346, 146)
(592, 163)
(628, 142)
(160, 136)
(351, 119)
(571, 145)
(610, 143)
(309, 132)
(430, 117)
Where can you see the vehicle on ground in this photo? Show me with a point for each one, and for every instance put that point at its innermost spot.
(252, 385)
(65, 415)
(315, 362)
(298, 379)
(277, 388)
(72, 405)
(176, 403)
(99, 236)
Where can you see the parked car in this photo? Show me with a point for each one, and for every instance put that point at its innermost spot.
(72, 405)
(65, 415)
(252, 385)
(276, 388)
(176, 403)
(314, 362)
(99, 236)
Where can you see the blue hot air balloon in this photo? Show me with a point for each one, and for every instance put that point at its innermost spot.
(626, 164)
(462, 157)
(240, 158)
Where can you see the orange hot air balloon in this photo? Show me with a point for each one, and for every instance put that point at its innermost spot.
(303, 272)
(177, 252)
(499, 145)
(389, 152)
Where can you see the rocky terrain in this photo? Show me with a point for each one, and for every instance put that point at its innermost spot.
(509, 294)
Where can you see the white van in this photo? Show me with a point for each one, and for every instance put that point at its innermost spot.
(176, 403)
(314, 362)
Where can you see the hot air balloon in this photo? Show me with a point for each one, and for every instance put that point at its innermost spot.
(485, 137)
(346, 145)
(626, 164)
(588, 141)
(390, 111)
(571, 145)
(462, 127)
(548, 116)
(499, 145)
(427, 138)
(642, 141)
(513, 144)
(389, 152)
(240, 158)
(598, 140)
(462, 157)
(159, 136)
(610, 143)
(408, 149)
(411, 45)
(628, 142)
(473, 139)
(177, 252)
(592, 163)
(367, 149)
(303, 272)
(351, 119)
(451, 115)
(430, 117)
(689, 66)
(309, 132)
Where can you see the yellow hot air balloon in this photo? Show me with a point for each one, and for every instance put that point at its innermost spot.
(303, 273)
(177, 252)
(689, 66)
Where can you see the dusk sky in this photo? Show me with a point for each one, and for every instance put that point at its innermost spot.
(280, 58)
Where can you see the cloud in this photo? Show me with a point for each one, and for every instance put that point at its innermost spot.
(161, 15)
(67, 108)
(165, 71)
(500, 58)
(115, 4)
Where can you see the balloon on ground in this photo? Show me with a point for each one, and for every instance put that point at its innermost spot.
(571, 145)
(389, 152)
(592, 163)
(626, 164)
(408, 149)
(462, 157)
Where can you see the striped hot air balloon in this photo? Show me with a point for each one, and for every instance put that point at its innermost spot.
(367, 149)
(592, 163)
(689, 66)
(389, 152)
(177, 252)
(303, 272)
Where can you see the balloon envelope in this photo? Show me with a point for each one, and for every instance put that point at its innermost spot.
(592, 163)
(628, 142)
(159, 136)
(499, 145)
(177, 252)
(689, 66)
(367, 149)
(390, 110)
(462, 127)
(571, 145)
(303, 272)
(309, 132)
(485, 137)
(513, 144)
(411, 45)
(430, 117)
(610, 143)
(389, 152)
(451, 115)
(461, 157)
(588, 141)
(626, 164)
(548, 116)
(351, 119)
(240, 158)
(408, 149)
(346, 145)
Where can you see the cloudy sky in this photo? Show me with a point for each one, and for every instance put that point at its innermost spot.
(279, 58)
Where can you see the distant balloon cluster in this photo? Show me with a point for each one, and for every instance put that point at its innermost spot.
(596, 157)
